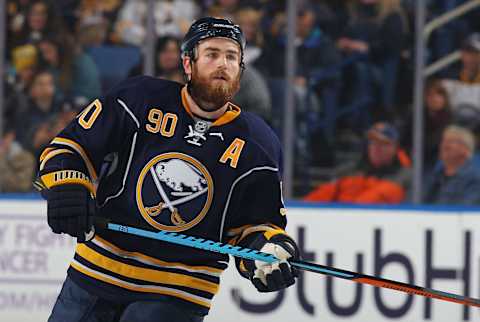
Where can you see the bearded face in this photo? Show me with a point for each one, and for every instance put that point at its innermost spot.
(214, 74)
(213, 90)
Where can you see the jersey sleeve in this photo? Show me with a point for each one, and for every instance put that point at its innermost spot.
(257, 208)
(258, 203)
(259, 212)
(76, 154)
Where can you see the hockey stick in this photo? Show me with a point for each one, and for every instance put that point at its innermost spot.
(252, 254)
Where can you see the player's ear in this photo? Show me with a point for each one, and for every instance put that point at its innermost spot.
(187, 66)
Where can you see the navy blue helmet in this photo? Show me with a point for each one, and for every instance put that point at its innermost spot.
(209, 27)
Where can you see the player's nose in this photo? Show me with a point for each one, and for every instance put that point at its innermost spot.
(222, 61)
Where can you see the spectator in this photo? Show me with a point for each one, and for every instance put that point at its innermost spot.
(456, 179)
(17, 166)
(33, 131)
(96, 21)
(249, 20)
(314, 48)
(382, 177)
(223, 8)
(92, 31)
(469, 72)
(24, 62)
(75, 72)
(314, 51)
(172, 17)
(42, 21)
(16, 15)
(254, 95)
(16, 105)
(438, 116)
(43, 132)
(167, 63)
(464, 87)
(375, 29)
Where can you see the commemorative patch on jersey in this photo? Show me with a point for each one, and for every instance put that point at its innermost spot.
(174, 192)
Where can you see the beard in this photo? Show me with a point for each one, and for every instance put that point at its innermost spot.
(210, 93)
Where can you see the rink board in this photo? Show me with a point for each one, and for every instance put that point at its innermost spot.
(424, 246)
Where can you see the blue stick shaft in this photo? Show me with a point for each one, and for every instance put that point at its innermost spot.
(195, 242)
(253, 254)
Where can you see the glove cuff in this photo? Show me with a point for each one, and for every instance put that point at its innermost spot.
(57, 178)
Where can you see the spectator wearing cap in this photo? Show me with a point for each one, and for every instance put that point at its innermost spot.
(464, 86)
(381, 177)
(456, 179)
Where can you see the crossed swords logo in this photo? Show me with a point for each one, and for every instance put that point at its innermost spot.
(175, 216)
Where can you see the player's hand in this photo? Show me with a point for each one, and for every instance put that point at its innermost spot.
(70, 210)
(269, 277)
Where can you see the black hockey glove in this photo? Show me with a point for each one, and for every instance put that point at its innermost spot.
(70, 210)
(273, 277)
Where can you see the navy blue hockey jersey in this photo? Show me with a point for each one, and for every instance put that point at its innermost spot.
(151, 163)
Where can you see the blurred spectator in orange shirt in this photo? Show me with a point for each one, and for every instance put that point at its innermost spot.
(383, 176)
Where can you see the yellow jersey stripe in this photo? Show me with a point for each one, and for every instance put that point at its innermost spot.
(102, 243)
(269, 234)
(44, 153)
(144, 274)
(51, 154)
(246, 230)
(235, 231)
(140, 288)
(74, 145)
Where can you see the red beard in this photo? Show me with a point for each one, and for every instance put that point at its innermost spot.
(211, 96)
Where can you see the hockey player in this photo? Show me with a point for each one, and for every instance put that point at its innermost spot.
(157, 154)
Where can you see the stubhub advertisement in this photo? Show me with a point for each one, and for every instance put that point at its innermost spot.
(430, 247)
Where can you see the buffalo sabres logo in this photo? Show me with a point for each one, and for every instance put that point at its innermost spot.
(174, 192)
